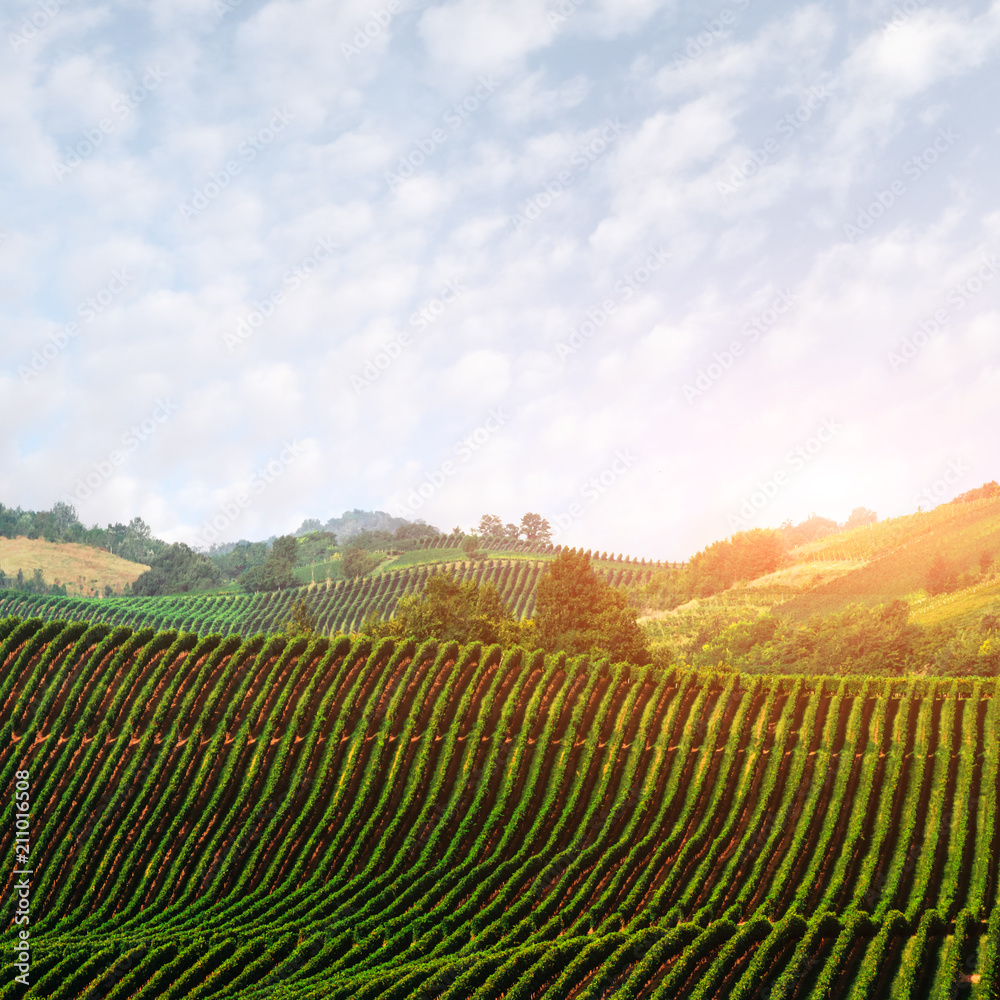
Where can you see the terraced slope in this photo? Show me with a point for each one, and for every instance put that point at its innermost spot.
(214, 817)
(341, 606)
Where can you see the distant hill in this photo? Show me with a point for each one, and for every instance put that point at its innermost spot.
(353, 522)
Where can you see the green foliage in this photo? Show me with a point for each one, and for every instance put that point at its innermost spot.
(535, 528)
(470, 546)
(301, 623)
(448, 610)
(879, 641)
(576, 612)
(745, 556)
(276, 571)
(235, 559)
(357, 562)
(132, 541)
(433, 820)
(315, 547)
(35, 585)
(177, 570)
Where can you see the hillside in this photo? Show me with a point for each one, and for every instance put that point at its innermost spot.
(895, 555)
(231, 819)
(83, 569)
(340, 606)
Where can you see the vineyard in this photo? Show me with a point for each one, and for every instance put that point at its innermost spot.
(220, 817)
(336, 607)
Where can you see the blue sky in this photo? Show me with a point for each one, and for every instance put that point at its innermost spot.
(658, 272)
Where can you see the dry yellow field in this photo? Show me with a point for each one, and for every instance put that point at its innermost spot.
(84, 569)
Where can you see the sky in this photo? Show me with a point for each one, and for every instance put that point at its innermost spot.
(657, 271)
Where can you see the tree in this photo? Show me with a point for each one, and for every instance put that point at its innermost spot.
(276, 572)
(511, 531)
(470, 546)
(357, 562)
(860, 517)
(490, 524)
(941, 577)
(177, 570)
(64, 518)
(301, 623)
(813, 528)
(579, 613)
(535, 528)
(448, 610)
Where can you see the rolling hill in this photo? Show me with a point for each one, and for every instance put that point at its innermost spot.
(230, 819)
(83, 569)
(336, 607)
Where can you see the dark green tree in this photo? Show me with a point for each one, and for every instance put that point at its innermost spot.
(276, 572)
(177, 570)
(446, 609)
(357, 562)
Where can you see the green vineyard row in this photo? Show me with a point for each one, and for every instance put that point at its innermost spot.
(220, 817)
(336, 607)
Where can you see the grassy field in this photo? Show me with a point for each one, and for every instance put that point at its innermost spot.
(231, 819)
(84, 570)
(897, 555)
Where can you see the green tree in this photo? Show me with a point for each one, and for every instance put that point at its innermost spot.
(177, 570)
(357, 562)
(577, 612)
(535, 528)
(276, 572)
(490, 524)
(446, 610)
(470, 546)
(300, 623)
